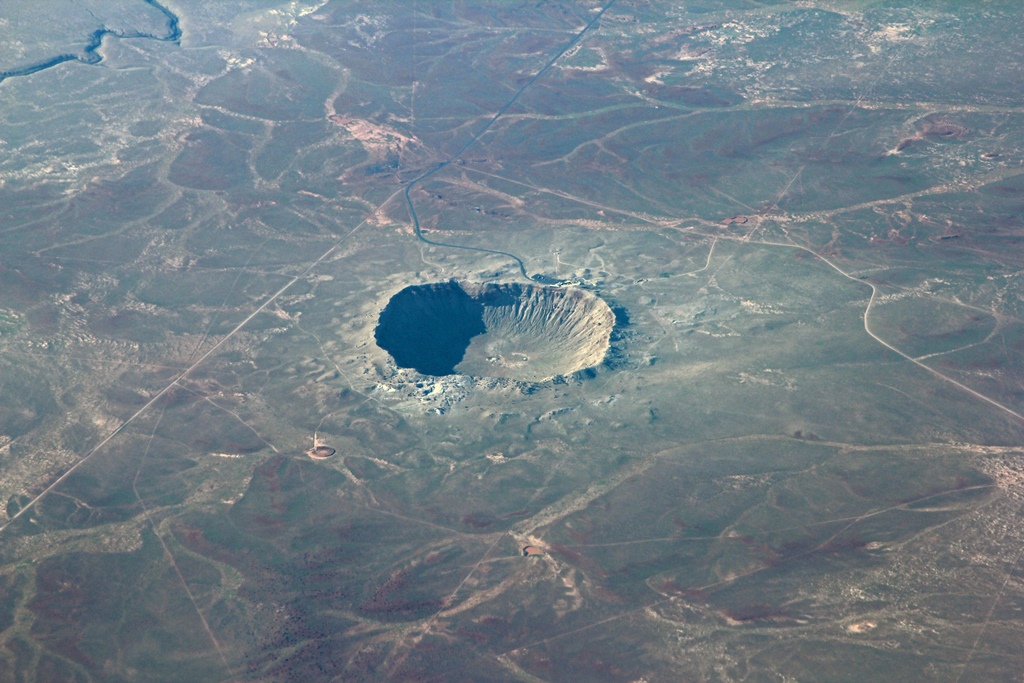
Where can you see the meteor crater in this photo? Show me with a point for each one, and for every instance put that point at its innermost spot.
(514, 331)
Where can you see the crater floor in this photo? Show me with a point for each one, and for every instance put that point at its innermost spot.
(515, 331)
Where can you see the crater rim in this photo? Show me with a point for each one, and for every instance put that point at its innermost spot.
(495, 330)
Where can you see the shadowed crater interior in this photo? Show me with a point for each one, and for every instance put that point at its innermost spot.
(522, 332)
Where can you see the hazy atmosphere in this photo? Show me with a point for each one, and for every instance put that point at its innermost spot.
(475, 340)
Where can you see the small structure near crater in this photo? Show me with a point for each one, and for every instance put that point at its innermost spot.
(520, 332)
(320, 452)
(862, 627)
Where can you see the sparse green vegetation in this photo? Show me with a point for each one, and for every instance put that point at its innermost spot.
(799, 457)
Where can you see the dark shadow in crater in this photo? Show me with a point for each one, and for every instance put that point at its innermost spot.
(428, 328)
(513, 331)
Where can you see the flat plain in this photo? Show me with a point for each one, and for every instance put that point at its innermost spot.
(800, 458)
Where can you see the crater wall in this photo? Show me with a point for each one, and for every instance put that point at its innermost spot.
(516, 331)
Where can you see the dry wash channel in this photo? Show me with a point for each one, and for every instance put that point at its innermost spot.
(521, 332)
